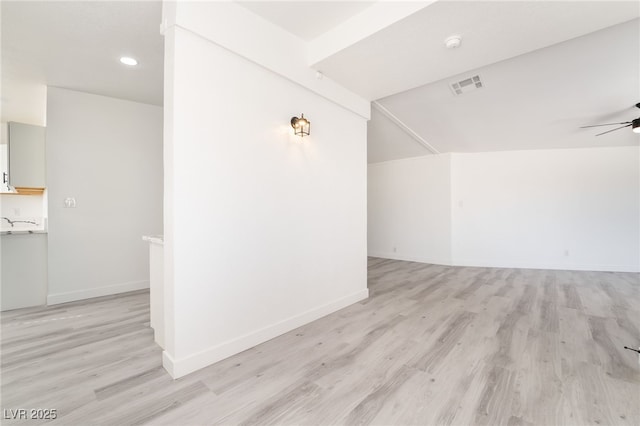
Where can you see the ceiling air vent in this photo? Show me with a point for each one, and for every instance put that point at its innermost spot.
(466, 85)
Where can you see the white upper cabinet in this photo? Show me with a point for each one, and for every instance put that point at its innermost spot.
(26, 155)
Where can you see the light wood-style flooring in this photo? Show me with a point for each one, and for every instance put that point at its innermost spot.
(433, 345)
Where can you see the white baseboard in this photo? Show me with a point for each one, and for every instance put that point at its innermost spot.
(71, 296)
(409, 258)
(185, 365)
(553, 266)
(507, 264)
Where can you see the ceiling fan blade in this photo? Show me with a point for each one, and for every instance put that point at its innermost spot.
(609, 124)
(613, 130)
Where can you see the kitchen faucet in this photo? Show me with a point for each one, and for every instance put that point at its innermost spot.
(13, 222)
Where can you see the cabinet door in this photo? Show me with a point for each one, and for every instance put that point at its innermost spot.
(26, 155)
(24, 271)
(4, 167)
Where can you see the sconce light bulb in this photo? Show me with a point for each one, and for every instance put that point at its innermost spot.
(300, 125)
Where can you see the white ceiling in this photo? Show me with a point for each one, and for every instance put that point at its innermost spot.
(306, 19)
(543, 78)
(534, 101)
(77, 45)
(411, 52)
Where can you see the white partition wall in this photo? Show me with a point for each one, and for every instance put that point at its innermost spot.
(264, 230)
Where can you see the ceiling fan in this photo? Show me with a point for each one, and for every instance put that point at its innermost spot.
(634, 124)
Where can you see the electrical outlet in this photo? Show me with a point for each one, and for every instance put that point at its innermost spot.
(566, 252)
(394, 250)
(16, 211)
(70, 203)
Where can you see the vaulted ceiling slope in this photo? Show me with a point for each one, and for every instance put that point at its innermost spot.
(307, 19)
(410, 52)
(534, 101)
(77, 45)
(548, 67)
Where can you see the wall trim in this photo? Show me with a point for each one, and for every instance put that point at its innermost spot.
(403, 126)
(185, 365)
(508, 264)
(407, 258)
(427, 157)
(71, 296)
(224, 23)
(553, 266)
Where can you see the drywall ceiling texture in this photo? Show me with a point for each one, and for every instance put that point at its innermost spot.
(411, 52)
(77, 45)
(306, 19)
(537, 100)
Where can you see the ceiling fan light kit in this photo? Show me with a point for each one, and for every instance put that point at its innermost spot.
(634, 124)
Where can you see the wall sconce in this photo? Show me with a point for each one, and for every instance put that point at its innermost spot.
(301, 126)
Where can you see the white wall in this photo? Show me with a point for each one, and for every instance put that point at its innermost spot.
(264, 231)
(23, 101)
(107, 153)
(557, 209)
(410, 210)
(267, 44)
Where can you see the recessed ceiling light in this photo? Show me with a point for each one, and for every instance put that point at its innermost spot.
(128, 61)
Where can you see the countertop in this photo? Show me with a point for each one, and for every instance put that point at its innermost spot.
(154, 239)
(24, 231)
(23, 225)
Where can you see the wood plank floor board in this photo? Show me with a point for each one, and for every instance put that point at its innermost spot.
(100, 355)
(22, 392)
(433, 345)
